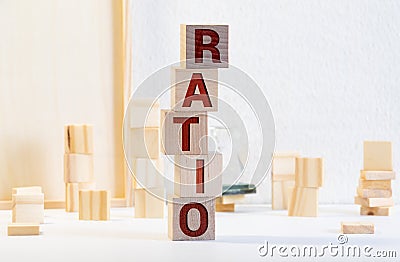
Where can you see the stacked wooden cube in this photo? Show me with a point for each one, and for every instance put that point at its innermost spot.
(308, 180)
(374, 193)
(197, 174)
(283, 179)
(78, 163)
(146, 165)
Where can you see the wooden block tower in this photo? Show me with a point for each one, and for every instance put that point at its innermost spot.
(374, 193)
(308, 179)
(197, 174)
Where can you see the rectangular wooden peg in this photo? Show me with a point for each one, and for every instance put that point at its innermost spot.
(21, 229)
(357, 228)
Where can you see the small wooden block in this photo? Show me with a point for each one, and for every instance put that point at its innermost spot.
(225, 207)
(19, 229)
(233, 199)
(357, 228)
(194, 89)
(72, 195)
(284, 164)
(148, 173)
(304, 202)
(378, 155)
(191, 219)
(184, 133)
(94, 205)
(145, 142)
(375, 184)
(147, 205)
(27, 208)
(373, 201)
(204, 46)
(374, 211)
(198, 176)
(280, 194)
(78, 168)
(377, 175)
(374, 192)
(145, 112)
(309, 172)
(78, 139)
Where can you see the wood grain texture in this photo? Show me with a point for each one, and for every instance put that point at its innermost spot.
(78, 139)
(377, 175)
(78, 168)
(185, 221)
(357, 228)
(374, 201)
(183, 78)
(23, 229)
(374, 211)
(145, 142)
(304, 202)
(94, 205)
(374, 192)
(281, 193)
(375, 184)
(378, 155)
(309, 172)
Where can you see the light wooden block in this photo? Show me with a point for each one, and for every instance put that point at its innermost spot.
(188, 138)
(145, 142)
(140, 203)
(191, 219)
(148, 173)
(194, 89)
(374, 201)
(375, 184)
(303, 202)
(284, 164)
(282, 177)
(357, 228)
(145, 112)
(232, 199)
(148, 205)
(196, 38)
(374, 211)
(378, 155)
(374, 192)
(21, 229)
(78, 168)
(280, 194)
(198, 176)
(72, 195)
(309, 172)
(94, 205)
(28, 208)
(377, 175)
(27, 190)
(78, 139)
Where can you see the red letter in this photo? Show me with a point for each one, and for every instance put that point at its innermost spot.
(199, 46)
(197, 80)
(186, 121)
(183, 220)
(199, 176)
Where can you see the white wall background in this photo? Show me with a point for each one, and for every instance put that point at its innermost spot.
(330, 70)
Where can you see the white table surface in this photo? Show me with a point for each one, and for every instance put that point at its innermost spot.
(238, 236)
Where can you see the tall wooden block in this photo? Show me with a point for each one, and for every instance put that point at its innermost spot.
(184, 133)
(204, 46)
(281, 193)
(94, 205)
(378, 155)
(145, 112)
(148, 173)
(191, 219)
(78, 139)
(377, 175)
(23, 229)
(309, 172)
(198, 176)
(149, 204)
(374, 201)
(194, 89)
(145, 142)
(85, 205)
(304, 202)
(374, 211)
(78, 168)
(284, 164)
(357, 228)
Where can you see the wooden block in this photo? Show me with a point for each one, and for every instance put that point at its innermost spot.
(27, 208)
(148, 173)
(375, 184)
(373, 201)
(144, 112)
(37, 198)
(72, 195)
(378, 155)
(204, 46)
(221, 207)
(191, 219)
(374, 211)
(78, 139)
(140, 203)
(194, 89)
(284, 164)
(20, 229)
(145, 142)
(309, 172)
(374, 192)
(78, 168)
(184, 133)
(280, 194)
(304, 202)
(377, 175)
(100, 206)
(85, 205)
(282, 177)
(148, 205)
(357, 228)
(27, 190)
(232, 199)
(198, 176)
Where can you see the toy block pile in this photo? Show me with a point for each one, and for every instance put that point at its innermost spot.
(374, 192)
(197, 173)
(308, 180)
(78, 163)
(27, 211)
(147, 164)
(283, 179)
